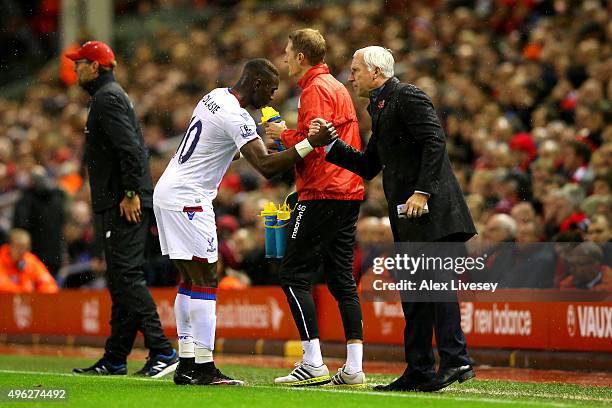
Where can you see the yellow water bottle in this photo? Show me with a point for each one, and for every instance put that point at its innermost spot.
(269, 114)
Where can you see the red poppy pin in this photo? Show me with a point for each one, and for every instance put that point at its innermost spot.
(381, 104)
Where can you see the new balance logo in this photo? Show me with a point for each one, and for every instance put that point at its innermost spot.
(160, 366)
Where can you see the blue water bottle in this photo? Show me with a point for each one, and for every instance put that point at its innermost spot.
(283, 216)
(270, 220)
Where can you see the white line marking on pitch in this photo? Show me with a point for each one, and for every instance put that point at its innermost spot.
(106, 377)
(415, 395)
(536, 394)
(379, 394)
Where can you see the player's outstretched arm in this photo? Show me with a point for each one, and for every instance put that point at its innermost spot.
(269, 165)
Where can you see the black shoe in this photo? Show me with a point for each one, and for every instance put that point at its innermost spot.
(221, 379)
(404, 383)
(103, 367)
(447, 376)
(159, 365)
(185, 371)
(208, 374)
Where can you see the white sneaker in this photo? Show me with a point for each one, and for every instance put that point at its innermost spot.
(305, 375)
(341, 378)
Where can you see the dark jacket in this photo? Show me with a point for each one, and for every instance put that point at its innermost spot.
(115, 152)
(41, 212)
(409, 146)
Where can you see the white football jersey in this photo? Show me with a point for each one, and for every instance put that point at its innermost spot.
(219, 127)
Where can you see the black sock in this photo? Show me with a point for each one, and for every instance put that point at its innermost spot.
(206, 366)
(186, 362)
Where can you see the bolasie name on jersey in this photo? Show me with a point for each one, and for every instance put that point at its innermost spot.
(210, 104)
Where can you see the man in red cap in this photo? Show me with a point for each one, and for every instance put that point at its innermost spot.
(90, 52)
(121, 195)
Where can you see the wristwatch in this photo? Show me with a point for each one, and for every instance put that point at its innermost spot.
(130, 193)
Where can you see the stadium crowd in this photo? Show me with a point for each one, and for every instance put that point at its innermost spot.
(523, 88)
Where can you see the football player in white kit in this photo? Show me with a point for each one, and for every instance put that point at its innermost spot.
(220, 129)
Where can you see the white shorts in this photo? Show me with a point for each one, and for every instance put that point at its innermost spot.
(190, 234)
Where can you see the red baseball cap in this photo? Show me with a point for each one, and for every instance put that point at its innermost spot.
(94, 51)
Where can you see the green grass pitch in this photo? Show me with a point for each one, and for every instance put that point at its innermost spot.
(27, 372)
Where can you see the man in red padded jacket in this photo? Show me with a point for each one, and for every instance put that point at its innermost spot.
(323, 224)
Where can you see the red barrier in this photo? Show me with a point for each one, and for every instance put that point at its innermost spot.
(262, 312)
(253, 314)
(71, 312)
(569, 326)
(580, 326)
(256, 313)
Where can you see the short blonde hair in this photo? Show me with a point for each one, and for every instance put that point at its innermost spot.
(20, 235)
(310, 43)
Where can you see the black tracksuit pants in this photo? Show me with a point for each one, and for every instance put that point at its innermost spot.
(133, 308)
(322, 232)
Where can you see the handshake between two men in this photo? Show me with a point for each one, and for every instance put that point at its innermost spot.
(320, 133)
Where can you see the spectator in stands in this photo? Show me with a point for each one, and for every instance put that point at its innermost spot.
(587, 270)
(523, 149)
(524, 212)
(20, 270)
(512, 189)
(41, 211)
(528, 232)
(602, 185)
(599, 230)
(242, 245)
(533, 263)
(599, 201)
(576, 158)
(542, 171)
(562, 212)
(499, 232)
(85, 266)
(500, 228)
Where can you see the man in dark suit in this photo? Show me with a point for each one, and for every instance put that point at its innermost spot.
(409, 146)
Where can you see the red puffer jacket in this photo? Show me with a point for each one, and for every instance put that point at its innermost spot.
(324, 97)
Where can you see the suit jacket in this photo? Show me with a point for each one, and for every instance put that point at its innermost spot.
(409, 146)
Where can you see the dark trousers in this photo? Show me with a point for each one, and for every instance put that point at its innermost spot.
(322, 232)
(133, 307)
(422, 320)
